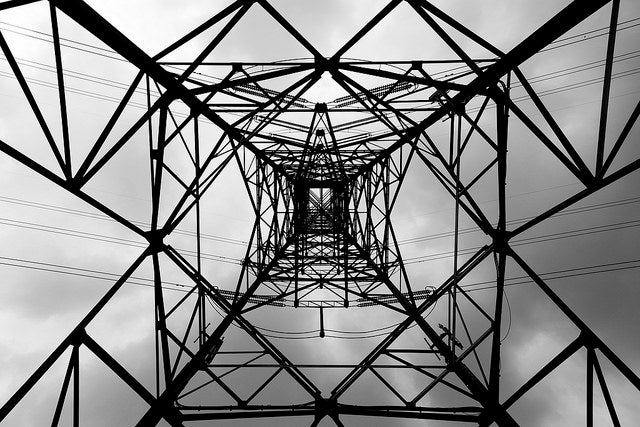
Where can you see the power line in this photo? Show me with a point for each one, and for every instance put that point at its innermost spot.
(407, 261)
(567, 41)
(561, 42)
(580, 84)
(531, 240)
(106, 52)
(541, 190)
(46, 37)
(75, 74)
(559, 274)
(579, 68)
(144, 281)
(94, 95)
(123, 86)
(589, 35)
(289, 335)
(555, 44)
(108, 239)
(54, 208)
(84, 272)
(141, 281)
(470, 287)
(571, 211)
(222, 239)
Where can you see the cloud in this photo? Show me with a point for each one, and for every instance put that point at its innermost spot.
(41, 307)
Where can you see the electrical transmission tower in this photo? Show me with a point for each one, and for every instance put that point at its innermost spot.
(322, 179)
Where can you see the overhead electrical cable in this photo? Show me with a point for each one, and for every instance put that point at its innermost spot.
(107, 239)
(621, 26)
(141, 281)
(570, 211)
(174, 286)
(81, 213)
(406, 261)
(532, 240)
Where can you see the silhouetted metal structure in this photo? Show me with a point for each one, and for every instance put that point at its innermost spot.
(322, 195)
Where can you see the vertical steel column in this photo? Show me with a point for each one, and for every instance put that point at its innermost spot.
(202, 319)
(500, 244)
(156, 158)
(455, 136)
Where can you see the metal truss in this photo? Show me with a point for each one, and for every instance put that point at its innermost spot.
(323, 180)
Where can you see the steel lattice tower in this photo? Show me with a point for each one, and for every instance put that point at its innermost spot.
(322, 180)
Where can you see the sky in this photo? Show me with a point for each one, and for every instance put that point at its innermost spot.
(58, 255)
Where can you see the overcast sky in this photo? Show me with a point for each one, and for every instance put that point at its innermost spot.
(44, 230)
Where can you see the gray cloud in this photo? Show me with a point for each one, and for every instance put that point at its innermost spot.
(42, 307)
